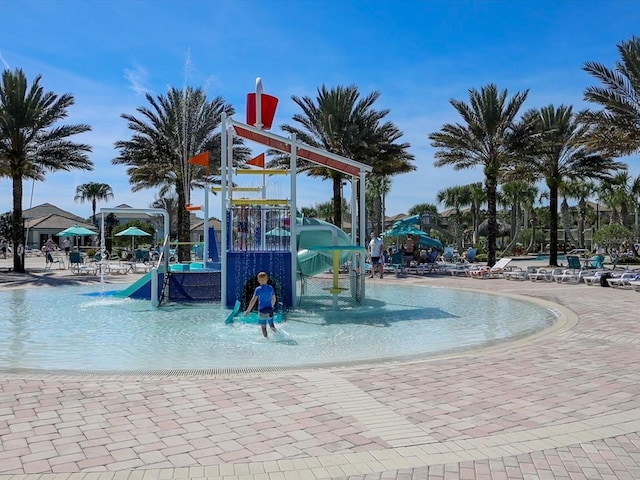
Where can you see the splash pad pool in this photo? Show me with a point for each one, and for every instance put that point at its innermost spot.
(82, 331)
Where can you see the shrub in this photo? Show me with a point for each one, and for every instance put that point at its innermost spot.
(482, 257)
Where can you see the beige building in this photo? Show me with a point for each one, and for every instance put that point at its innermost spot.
(45, 221)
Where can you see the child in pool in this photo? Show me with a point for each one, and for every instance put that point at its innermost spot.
(265, 295)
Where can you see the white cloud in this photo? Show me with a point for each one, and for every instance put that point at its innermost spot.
(4, 62)
(137, 78)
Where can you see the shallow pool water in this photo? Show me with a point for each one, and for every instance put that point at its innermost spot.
(53, 329)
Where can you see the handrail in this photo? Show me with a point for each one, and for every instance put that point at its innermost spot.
(162, 251)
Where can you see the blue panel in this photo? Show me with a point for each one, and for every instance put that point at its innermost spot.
(194, 286)
(242, 268)
(213, 247)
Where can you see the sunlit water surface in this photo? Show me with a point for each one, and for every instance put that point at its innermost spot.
(56, 329)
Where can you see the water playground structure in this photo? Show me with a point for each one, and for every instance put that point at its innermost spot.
(304, 257)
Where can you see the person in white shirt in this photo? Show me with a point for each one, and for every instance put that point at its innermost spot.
(66, 244)
(376, 245)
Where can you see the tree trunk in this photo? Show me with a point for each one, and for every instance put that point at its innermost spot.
(513, 242)
(492, 220)
(532, 240)
(513, 220)
(582, 209)
(183, 225)
(337, 200)
(476, 222)
(17, 225)
(376, 221)
(553, 225)
(94, 206)
(566, 222)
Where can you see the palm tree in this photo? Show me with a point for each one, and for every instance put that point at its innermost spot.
(93, 192)
(377, 189)
(528, 202)
(325, 211)
(478, 197)
(565, 214)
(517, 195)
(557, 151)
(32, 142)
(175, 128)
(620, 194)
(616, 128)
(484, 140)
(342, 122)
(309, 212)
(457, 197)
(170, 204)
(580, 190)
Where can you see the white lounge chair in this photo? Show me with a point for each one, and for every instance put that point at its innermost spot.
(494, 272)
(140, 267)
(84, 269)
(115, 268)
(459, 270)
(544, 274)
(516, 273)
(623, 280)
(592, 278)
(476, 270)
(569, 275)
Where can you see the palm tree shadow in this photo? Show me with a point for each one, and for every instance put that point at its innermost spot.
(29, 279)
(374, 313)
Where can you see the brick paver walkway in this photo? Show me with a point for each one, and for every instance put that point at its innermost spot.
(564, 404)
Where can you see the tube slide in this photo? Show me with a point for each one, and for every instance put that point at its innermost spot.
(317, 233)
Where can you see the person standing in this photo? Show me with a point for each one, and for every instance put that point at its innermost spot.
(66, 244)
(265, 295)
(409, 249)
(376, 245)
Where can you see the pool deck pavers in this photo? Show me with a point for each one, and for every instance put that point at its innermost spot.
(563, 404)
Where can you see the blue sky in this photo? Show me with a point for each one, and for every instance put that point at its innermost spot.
(418, 54)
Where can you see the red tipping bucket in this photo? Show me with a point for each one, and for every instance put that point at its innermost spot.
(269, 104)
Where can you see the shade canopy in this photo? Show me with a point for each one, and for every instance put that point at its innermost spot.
(76, 231)
(133, 231)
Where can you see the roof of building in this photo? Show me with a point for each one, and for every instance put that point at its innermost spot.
(47, 209)
(56, 222)
(395, 218)
(197, 223)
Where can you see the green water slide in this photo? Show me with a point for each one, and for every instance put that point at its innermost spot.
(314, 233)
(139, 289)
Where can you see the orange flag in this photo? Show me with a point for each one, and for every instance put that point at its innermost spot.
(200, 159)
(257, 161)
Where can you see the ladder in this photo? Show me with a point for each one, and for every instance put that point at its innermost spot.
(165, 287)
